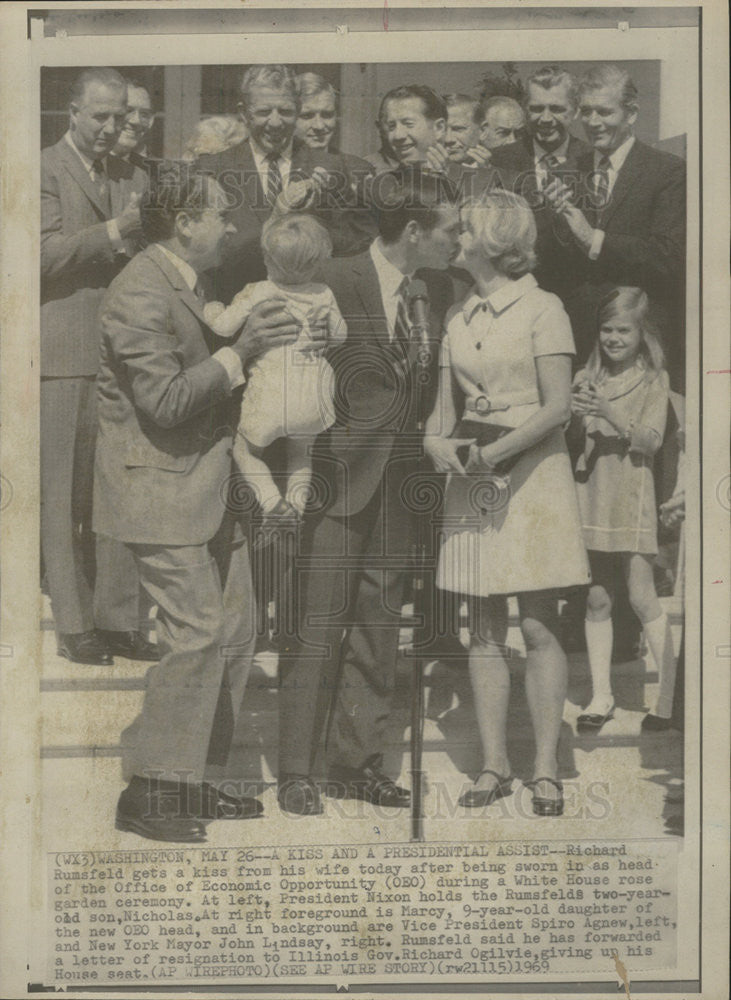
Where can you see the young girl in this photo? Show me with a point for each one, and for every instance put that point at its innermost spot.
(289, 390)
(621, 401)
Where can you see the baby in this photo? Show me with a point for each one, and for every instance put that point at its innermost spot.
(289, 390)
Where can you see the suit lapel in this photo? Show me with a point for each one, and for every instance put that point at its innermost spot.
(178, 282)
(368, 291)
(75, 167)
(631, 169)
(120, 186)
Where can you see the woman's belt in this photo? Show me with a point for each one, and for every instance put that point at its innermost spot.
(482, 405)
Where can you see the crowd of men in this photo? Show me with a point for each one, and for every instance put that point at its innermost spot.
(131, 371)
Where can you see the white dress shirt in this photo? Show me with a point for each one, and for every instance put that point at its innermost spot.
(112, 228)
(616, 162)
(390, 280)
(226, 356)
(284, 160)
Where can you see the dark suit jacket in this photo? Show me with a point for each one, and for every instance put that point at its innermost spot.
(164, 406)
(77, 259)
(555, 247)
(644, 246)
(376, 389)
(341, 210)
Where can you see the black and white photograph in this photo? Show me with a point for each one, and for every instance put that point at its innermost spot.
(344, 632)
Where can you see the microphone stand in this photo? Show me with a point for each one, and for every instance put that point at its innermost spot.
(419, 335)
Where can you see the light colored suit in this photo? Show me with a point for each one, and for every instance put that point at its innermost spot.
(162, 472)
(77, 263)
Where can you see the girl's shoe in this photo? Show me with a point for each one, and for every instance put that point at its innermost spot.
(543, 806)
(592, 722)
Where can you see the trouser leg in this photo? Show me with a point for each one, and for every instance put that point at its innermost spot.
(170, 738)
(66, 416)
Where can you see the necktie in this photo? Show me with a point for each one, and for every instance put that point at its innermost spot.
(99, 180)
(199, 293)
(274, 178)
(402, 326)
(600, 185)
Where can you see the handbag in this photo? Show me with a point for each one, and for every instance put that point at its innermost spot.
(484, 434)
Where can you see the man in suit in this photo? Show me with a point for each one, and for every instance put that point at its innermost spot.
(132, 142)
(89, 217)
(162, 473)
(627, 219)
(350, 573)
(502, 121)
(547, 150)
(270, 168)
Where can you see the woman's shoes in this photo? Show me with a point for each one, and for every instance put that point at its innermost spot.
(475, 798)
(592, 722)
(543, 806)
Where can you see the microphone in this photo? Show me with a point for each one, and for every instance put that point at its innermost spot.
(419, 312)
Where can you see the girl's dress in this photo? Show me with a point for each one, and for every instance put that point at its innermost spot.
(614, 478)
(289, 390)
(528, 536)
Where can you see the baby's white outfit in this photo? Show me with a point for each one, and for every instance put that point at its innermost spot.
(290, 390)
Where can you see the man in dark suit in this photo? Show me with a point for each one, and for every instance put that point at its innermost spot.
(89, 217)
(161, 476)
(350, 573)
(270, 168)
(627, 219)
(546, 151)
(132, 142)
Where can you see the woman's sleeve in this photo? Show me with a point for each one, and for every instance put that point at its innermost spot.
(647, 434)
(552, 329)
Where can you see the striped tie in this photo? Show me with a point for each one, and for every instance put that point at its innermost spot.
(600, 185)
(99, 180)
(274, 178)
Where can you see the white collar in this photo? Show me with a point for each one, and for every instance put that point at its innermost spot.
(188, 274)
(261, 157)
(561, 152)
(87, 163)
(619, 155)
(389, 276)
(501, 298)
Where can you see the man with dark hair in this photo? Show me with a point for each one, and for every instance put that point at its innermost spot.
(627, 219)
(350, 572)
(271, 168)
(412, 119)
(89, 220)
(502, 121)
(132, 141)
(162, 472)
(546, 150)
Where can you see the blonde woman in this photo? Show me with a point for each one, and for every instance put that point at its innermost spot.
(511, 524)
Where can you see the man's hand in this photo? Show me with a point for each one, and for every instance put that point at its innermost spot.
(269, 325)
(437, 158)
(558, 197)
(477, 156)
(301, 195)
(443, 452)
(128, 221)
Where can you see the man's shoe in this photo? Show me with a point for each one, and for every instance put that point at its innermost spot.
(367, 783)
(158, 811)
(656, 724)
(219, 805)
(298, 794)
(85, 647)
(131, 645)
